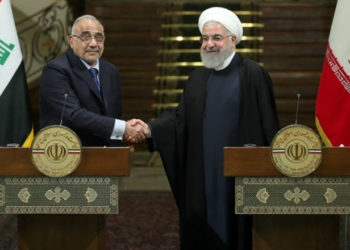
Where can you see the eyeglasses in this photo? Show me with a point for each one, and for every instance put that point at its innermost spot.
(215, 38)
(88, 39)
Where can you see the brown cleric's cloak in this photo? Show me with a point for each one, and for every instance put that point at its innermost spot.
(177, 135)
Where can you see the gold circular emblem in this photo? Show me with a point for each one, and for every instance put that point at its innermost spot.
(56, 151)
(296, 151)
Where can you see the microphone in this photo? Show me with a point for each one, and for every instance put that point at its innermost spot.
(64, 106)
(298, 103)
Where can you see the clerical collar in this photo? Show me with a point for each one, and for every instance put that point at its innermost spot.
(88, 66)
(226, 62)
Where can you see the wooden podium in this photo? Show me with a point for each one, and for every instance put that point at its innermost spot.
(292, 213)
(62, 213)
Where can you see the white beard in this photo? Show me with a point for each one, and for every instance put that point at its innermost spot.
(215, 61)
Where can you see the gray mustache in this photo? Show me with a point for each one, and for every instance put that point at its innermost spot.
(212, 50)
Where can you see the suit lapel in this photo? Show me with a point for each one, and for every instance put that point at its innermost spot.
(82, 72)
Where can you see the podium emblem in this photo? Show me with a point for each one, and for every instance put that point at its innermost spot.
(296, 151)
(56, 151)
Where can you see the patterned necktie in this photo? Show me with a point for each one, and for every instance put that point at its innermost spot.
(94, 73)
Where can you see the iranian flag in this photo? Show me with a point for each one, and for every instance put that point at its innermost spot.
(333, 98)
(15, 120)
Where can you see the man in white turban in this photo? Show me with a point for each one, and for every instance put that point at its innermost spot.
(225, 17)
(228, 102)
(232, 32)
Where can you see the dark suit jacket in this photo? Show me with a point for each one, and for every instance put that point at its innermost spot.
(90, 114)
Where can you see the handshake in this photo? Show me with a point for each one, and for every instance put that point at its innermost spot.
(136, 131)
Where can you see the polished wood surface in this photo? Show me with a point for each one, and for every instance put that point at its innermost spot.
(60, 232)
(296, 232)
(96, 161)
(256, 161)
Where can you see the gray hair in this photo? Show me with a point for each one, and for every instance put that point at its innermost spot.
(90, 17)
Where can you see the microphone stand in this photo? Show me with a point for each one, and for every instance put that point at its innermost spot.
(64, 106)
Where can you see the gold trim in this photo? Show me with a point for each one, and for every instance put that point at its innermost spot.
(185, 64)
(177, 78)
(253, 25)
(195, 26)
(197, 13)
(179, 51)
(180, 64)
(193, 51)
(167, 91)
(164, 105)
(323, 135)
(179, 38)
(196, 38)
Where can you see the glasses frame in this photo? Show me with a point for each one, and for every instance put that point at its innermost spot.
(89, 38)
(201, 40)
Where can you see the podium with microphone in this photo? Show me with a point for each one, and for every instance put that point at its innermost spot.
(60, 190)
(296, 190)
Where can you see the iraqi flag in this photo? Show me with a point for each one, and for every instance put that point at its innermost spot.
(333, 98)
(15, 120)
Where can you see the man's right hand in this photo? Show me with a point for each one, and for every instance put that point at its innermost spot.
(136, 131)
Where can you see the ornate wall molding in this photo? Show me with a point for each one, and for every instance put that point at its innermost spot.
(43, 36)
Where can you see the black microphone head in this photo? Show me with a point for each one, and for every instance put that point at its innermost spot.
(298, 92)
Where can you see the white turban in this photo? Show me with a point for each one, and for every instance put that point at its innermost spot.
(225, 17)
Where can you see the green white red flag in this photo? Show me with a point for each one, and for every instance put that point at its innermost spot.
(333, 98)
(15, 120)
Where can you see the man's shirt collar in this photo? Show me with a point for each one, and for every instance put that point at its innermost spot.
(88, 66)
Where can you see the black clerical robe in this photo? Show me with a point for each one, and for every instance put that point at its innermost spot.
(178, 136)
(221, 129)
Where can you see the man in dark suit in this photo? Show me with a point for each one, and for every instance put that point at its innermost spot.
(85, 89)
